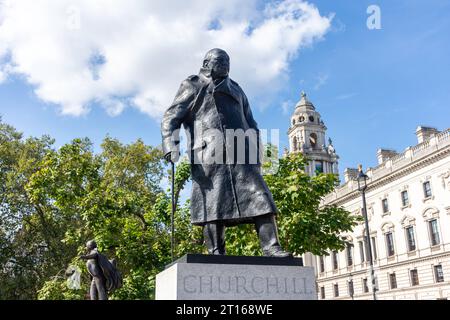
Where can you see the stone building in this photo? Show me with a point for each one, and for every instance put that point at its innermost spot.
(307, 135)
(408, 205)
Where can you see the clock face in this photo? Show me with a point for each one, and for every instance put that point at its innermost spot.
(301, 119)
(311, 118)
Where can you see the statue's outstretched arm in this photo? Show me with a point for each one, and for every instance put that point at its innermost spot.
(89, 256)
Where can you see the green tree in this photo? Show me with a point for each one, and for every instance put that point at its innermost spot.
(28, 250)
(109, 197)
(305, 225)
(115, 198)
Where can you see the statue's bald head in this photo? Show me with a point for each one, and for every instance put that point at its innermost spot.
(215, 53)
(218, 61)
(91, 245)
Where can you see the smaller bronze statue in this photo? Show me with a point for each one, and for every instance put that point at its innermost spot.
(104, 273)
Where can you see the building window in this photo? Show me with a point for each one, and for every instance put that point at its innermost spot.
(385, 205)
(374, 248)
(366, 248)
(295, 143)
(410, 238)
(322, 292)
(405, 198)
(349, 255)
(361, 251)
(434, 232)
(414, 277)
(393, 280)
(335, 260)
(322, 264)
(427, 189)
(313, 140)
(336, 290)
(351, 289)
(390, 244)
(438, 273)
(319, 167)
(365, 287)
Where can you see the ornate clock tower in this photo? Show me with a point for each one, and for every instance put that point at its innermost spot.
(307, 135)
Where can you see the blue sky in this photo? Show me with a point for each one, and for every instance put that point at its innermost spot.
(372, 87)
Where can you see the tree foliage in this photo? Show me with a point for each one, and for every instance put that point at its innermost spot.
(304, 224)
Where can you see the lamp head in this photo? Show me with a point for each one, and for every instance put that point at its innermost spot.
(362, 179)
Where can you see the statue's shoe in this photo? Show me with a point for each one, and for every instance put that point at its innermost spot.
(277, 252)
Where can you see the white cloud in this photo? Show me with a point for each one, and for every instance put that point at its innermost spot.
(121, 53)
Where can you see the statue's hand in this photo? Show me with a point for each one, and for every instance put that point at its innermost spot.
(83, 257)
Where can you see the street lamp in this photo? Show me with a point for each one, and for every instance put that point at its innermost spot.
(351, 287)
(362, 186)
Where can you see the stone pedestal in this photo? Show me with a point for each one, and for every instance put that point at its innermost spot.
(206, 277)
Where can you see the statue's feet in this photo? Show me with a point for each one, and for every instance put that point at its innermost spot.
(217, 252)
(277, 252)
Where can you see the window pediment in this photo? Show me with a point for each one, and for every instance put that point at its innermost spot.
(387, 227)
(407, 221)
(430, 213)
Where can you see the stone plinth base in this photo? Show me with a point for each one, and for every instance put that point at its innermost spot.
(204, 277)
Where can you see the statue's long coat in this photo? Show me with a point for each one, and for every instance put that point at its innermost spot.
(230, 192)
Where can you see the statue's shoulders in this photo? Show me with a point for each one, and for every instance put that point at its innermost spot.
(236, 86)
(234, 82)
(192, 82)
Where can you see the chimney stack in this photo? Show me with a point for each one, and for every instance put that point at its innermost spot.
(350, 174)
(425, 133)
(384, 155)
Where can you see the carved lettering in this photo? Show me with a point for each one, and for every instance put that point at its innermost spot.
(260, 279)
(272, 283)
(240, 283)
(206, 281)
(186, 287)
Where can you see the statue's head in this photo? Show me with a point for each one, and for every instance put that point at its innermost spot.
(91, 245)
(218, 62)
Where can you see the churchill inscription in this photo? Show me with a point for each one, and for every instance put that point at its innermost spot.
(200, 281)
(248, 285)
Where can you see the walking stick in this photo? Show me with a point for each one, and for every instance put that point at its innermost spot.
(172, 227)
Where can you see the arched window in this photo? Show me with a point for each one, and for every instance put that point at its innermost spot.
(408, 223)
(388, 230)
(313, 140)
(295, 143)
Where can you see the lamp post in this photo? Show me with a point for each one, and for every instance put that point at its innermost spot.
(351, 288)
(362, 186)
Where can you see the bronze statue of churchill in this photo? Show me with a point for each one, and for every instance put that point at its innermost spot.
(229, 192)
